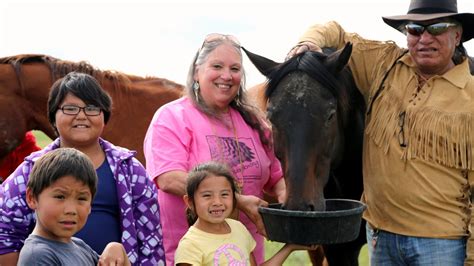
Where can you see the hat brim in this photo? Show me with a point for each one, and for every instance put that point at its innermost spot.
(466, 20)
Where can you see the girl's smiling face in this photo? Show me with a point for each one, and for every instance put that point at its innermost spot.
(213, 202)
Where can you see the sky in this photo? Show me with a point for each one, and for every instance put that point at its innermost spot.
(160, 38)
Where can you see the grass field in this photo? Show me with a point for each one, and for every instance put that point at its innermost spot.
(296, 258)
(301, 257)
(41, 138)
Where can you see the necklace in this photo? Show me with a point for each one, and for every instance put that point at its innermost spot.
(239, 181)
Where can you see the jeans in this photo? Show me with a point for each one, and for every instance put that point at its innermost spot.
(386, 249)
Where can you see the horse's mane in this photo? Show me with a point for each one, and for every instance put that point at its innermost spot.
(312, 64)
(59, 68)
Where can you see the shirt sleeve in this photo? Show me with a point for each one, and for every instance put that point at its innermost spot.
(16, 218)
(188, 252)
(251, 241)
(276, 172)
(369, 58)
(38, 257)
(167, 143)
(147, 217)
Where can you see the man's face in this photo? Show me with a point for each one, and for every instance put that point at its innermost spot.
(432, 52)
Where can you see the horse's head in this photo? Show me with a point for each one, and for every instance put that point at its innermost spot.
(10, 136)
(22, 99)
(306, 106)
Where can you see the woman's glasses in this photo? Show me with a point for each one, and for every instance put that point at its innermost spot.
(74, 110)
(217, 37)
(433, 29)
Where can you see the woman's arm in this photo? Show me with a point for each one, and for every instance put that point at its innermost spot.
(16, 217)
(173, 182)
(9, 259)
(249, 204)
(279, 191)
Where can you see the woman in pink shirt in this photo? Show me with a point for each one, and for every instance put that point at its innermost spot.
(214, 122)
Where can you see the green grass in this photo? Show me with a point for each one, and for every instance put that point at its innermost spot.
(300, 257)
(296, 258)
(41, 138)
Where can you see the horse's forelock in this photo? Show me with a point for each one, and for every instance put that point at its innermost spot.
(280, 72)
(312, 63)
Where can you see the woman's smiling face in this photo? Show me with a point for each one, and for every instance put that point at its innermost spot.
(220, 77)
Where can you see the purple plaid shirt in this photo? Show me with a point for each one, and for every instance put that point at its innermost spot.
(137, 194)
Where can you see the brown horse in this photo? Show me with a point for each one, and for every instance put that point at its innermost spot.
(25, 81)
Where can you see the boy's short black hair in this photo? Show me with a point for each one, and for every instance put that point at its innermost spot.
(60, 163)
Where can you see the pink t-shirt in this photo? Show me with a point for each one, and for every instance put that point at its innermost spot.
(180, 137)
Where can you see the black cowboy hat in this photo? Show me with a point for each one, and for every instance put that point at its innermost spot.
(422, 10)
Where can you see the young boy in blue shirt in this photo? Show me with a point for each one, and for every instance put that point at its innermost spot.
(61, 187)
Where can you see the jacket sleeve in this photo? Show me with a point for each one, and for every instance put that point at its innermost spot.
(330, 34)
(147, 217)
(16, 218)
(369, 58)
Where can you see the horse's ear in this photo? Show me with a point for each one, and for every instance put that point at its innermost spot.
(339, 59)
(264, 65)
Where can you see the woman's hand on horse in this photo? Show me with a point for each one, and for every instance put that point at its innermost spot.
(303, 47)
(249, 204)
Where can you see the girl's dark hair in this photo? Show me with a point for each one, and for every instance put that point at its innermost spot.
(59, 163)
(83, 86)
(198, 174)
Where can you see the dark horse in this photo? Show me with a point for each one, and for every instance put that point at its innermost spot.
(25, 81)
(317, 117)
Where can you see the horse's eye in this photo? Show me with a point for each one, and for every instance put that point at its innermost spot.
(331, 115)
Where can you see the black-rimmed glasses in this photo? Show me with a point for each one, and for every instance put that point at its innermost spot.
(433, 29)
(89, 110)
(401, 133)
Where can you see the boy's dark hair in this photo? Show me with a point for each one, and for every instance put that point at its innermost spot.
(198, 174)
(60, 163)
(83, 86)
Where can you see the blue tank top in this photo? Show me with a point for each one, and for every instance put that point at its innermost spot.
(103, 224)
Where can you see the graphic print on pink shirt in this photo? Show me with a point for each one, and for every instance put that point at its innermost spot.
(225, 149)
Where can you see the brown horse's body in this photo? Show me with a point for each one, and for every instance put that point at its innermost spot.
(25, 81)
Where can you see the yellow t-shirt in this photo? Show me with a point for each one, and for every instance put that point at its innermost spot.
(200, 248)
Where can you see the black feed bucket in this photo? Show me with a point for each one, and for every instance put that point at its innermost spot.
(340, 223)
